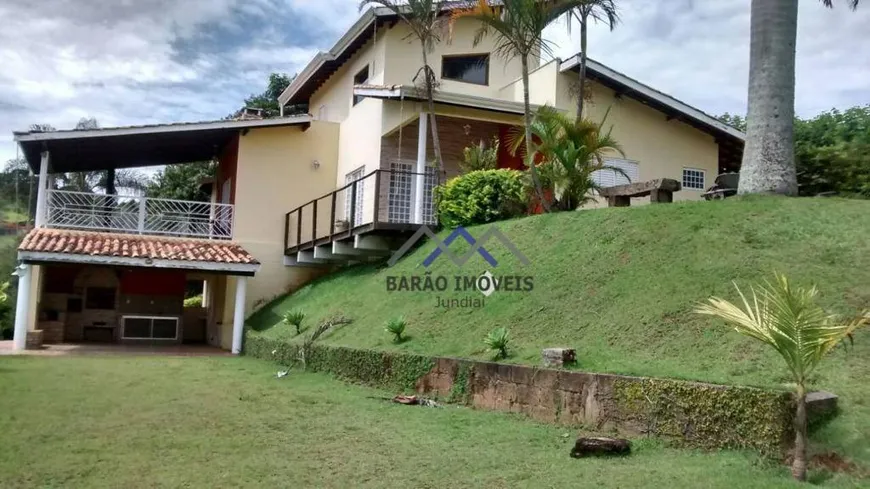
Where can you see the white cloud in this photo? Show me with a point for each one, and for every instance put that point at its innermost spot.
(147, 61)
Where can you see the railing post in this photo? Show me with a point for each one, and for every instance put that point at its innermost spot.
(352, 217)
(141, 223)
(377, 196)
(332, 216)
(286, 232)
(314, 223)
(299, 227)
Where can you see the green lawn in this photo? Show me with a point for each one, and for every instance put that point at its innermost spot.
(619, 285)
(228, 422)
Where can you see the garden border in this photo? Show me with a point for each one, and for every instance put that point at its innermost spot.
(693, 414)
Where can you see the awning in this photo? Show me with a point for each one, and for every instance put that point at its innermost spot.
(43, 245)
(135, 146)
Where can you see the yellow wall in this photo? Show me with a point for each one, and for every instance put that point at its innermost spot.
(661, 147)
(404, 59)
(276, 173)
(333, 100)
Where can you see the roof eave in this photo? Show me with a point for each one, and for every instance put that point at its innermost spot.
(441, 97)
(654, 94)
(28, 136)
(360, 27)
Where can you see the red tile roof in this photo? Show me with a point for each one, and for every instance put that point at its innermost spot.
(91, 243)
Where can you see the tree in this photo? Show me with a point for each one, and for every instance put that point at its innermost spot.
(425, 20)
(788, 319)
(181, 182)
(268, 99)
(570, 151)
(768, 157)
(735, 121)
(517, 26)
(599, 11)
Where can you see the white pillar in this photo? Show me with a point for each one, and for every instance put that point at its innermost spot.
(419, 179)
(239, 314)
(41, 191)
(22, 307)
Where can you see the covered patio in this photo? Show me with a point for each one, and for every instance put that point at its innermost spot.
(111, 268)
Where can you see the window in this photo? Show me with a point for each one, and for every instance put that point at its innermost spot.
(470, 68)
(610, 178)
(149, 328)
(693, 178)
(402, 189)
(100, 298)
(359, 79)
(354, 176)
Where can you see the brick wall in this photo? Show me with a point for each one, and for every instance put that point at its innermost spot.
(692, 413)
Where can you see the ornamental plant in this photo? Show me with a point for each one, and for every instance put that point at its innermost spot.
(497, 341)
(295, 318)
(480, 197)
(787, 318)
(396, 327)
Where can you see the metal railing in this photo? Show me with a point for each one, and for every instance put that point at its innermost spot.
(138, 215)
(381, 199)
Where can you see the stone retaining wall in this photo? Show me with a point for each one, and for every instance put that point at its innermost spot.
(693, 413)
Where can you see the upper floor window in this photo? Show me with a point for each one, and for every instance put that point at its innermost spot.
(693, 178)
(361, 77)
(468, 68)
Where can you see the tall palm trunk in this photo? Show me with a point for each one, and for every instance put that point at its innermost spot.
(433, 123)
(768, 157)
(799, 464)
(582, 84)
(527, 119)
(110, 182)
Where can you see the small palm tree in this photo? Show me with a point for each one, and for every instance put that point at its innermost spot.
(294, 318)
(396, 327)
(425, 20)
(497, 340)
(571, 151)
(788, 319)
(599, 11)
(517, 26)
(480, 156)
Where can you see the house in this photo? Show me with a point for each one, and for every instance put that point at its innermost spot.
(296, 196)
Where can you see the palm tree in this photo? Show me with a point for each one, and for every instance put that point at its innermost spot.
(424, 19)
(570, 151)
(788, 319)
(768, 158)
(599, 11)
(517, 26)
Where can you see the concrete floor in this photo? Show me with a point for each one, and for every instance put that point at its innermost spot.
(115, 349)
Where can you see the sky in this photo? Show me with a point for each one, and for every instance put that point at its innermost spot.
(156, 61)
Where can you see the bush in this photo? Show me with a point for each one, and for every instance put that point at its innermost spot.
(295, 318)
(480, 157)
(481, 196)
(497, 340)
(396, 327)
(195, 301)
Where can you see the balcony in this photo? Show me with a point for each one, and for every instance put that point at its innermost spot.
(385, 203)
(138, 215)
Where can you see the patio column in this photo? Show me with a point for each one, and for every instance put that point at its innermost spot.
(239, 314)
(22, 306)
(420, 170)
(41, 191)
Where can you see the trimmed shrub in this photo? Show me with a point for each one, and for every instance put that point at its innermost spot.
(195, 301)
(481, 196)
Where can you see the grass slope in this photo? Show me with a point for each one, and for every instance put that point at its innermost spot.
(619, 285)
(227, 422)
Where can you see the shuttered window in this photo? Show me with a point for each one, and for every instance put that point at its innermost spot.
(610, 178)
